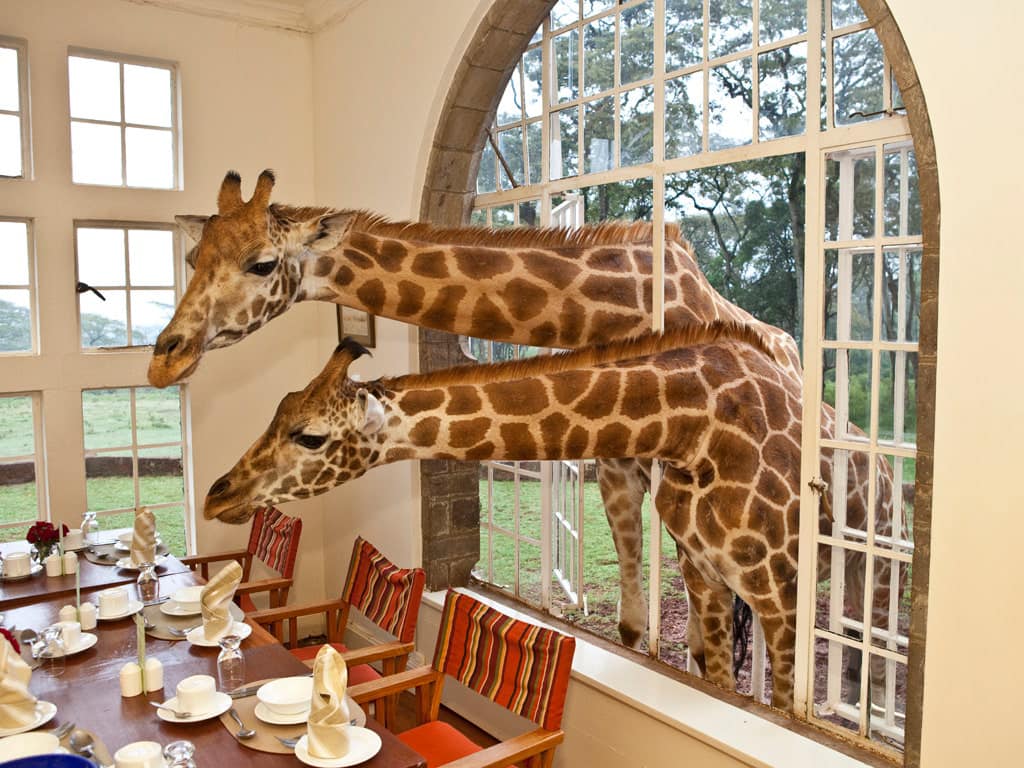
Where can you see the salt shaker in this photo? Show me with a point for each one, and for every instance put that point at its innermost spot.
(87, 616)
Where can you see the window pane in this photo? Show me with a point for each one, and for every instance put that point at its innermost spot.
(902, 198)
(17, 427)
(485, 178)
(150, 158)
(10, 145)
(684, 30)
(535, 144)
(9, 91)
(533, 71)
(478, 218)
(510, 108)
(564, 143)
(729, 98)
(858, 74)
(503, 216)
(511, 145)
(599, 129)
(897, 397)
(731, 26)
(101, 256)
(15, 320)
(846, 12)
(684, 115)
(147, 95)
(631, 200)
(151, 312)
(599, 55)
(157, 415)
(847, 387)
(109, 481)
(566, 66)
(104, 323)
(590, 7)
(637, 41)
(782, 75)
(106, 418)
(529, 213)
(151, 257)
(160, 475)
(13, 253)
(95, 154)
(782, 18)
(564, 12)
(849, 294)
(637, 125)
(95, 88)
(901, 275)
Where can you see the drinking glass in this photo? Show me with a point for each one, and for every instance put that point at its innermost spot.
(179, 754)
(148, 584)
(53, 650)
(230, 663)
(90, 528)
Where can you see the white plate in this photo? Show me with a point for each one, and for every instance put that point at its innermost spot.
(134, 606)
(172, 608)
(263, 713)
(362, 745)
(36, 568)
(221, 704)
(86, 641)
(198, 636)
(126, 563)
(121, 547)
(44, 714)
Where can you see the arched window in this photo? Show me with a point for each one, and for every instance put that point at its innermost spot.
(801, 197)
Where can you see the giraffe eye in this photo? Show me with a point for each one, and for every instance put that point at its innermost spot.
(312, 442)
(262, 268)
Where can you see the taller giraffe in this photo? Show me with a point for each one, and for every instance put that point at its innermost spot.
(547, 287)
(708, 401)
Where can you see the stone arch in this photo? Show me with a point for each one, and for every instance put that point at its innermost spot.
(449, 491)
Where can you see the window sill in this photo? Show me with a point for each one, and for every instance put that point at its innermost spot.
(741, 734)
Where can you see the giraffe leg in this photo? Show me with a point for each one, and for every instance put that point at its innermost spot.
(623, 483)
(780, 639)
(710, 615)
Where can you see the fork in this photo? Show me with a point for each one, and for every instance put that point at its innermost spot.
(290, 743)
(176, 713)
(182, 632)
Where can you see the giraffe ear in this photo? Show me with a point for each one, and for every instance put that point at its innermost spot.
(192, 225)
(373, 413)
(329, 231)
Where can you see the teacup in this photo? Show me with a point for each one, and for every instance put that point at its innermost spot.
(140, 754)
(28, 744)
(73, 539)
(17, 564)
(113, 601)
(195, 693)
(71, 632)
(187, 598)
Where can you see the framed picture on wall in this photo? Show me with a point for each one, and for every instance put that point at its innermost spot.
(357, 324)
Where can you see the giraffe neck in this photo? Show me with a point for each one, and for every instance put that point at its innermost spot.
(567, 294)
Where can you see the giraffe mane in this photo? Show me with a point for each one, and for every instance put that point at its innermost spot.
(607, 233)
(626, 349)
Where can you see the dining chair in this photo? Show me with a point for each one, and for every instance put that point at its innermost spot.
(385, 594)
(274, 541)
(521, 666)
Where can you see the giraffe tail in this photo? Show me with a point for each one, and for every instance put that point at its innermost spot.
(742, 621)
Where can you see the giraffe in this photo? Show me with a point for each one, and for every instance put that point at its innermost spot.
(708, 401)
(545, 287)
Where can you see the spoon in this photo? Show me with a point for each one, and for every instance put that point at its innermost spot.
(243, 732)
(182, 632)
(81, 743)
(176, 713)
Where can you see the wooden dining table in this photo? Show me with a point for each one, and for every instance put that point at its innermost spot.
(88, 692)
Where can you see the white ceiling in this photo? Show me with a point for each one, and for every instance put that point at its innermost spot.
(298, 15)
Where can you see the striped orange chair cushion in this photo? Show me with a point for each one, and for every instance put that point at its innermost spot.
(387, 595)
(521, 666)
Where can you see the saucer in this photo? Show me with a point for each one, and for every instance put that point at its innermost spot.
(44, 714)
(221, 704)
(172, 608)
(125, 563)
(36, 568)
(134, 606)
(362, 745)
(85, 642)
(198, 636)
(262, 712)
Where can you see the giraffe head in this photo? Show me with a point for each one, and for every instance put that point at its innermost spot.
(248, 264)
(321, 437)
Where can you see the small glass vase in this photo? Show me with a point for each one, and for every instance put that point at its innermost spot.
(148, 584)
(40, 552)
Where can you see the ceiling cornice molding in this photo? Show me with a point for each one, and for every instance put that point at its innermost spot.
(305, 16)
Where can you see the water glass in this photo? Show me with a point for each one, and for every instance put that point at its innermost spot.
(53, 650)
(148, 584)
(90, 528)
(179, 754)
(230, 663)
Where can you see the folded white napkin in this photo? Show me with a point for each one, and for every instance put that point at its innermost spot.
(17, 705)
(215, 599)
(144, 538)
(328, 724)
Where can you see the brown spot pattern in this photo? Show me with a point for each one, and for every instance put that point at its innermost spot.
(489, 321)
(425, 432)
(519, 443)
(601, 398)
(462, 400)
(372, 295)
(418, 400)
(465, 433)
(558, 272)
(441, 313)
(481, 263)
(517, 398)
(641, 395)
(410, 298)
(524, 299)
(430, 264)
(620, 291)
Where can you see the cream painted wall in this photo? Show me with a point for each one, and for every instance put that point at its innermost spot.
(247, 104)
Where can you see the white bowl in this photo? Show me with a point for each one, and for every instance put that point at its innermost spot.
(26, 744)
(286, 695)
(188, 597)
(126, 538)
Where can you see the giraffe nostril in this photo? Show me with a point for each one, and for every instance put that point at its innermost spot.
(220, 487)
(167, 346)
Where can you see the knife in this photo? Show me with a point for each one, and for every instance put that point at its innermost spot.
(241, 693)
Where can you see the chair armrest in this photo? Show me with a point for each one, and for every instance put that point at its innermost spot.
(370, 653)
(262, 585)
(214, 557)
(511, 751)
(272, 615)
(374, 690)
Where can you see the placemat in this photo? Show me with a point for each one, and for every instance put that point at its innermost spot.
(160, 621)
(265, 739)
(99, 749)
(108, 554)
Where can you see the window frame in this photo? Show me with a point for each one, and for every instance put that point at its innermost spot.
(33, 279)
(121, 59)
(24, 112)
